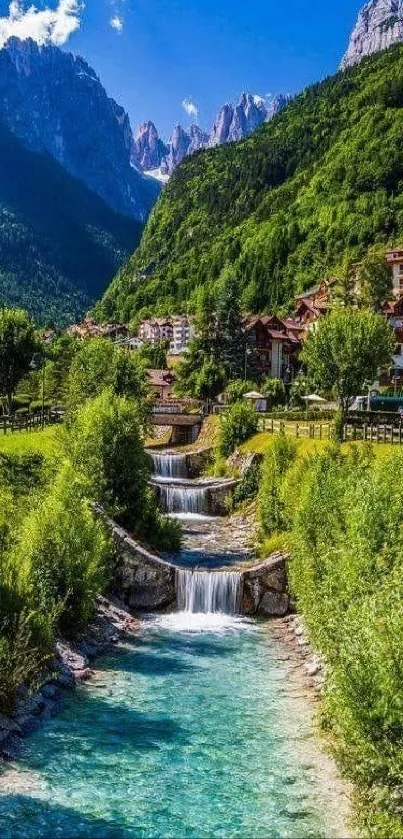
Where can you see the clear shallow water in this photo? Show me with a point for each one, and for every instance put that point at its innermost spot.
(190, 731)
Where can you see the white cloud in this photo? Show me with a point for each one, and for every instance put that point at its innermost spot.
(191, 109)
(45, 26)
(258, 100)
(117, 23)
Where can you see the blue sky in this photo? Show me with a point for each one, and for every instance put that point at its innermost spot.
(158, 53)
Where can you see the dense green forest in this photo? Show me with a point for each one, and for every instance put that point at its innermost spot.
(59, 243)
(281, 209)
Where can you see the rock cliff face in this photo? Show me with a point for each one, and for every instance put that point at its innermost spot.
(54, 102)
(379, 26)
(232, 123)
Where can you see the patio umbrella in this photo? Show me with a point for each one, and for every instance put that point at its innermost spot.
(314, 398)
(254, 395)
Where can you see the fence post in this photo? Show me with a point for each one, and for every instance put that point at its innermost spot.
(297, 430)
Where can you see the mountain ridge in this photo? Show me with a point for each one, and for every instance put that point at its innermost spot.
(282, 209)
(45, 94)
(43, 211)
(232, 123)
(379, 26)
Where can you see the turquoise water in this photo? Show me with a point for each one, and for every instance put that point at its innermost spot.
(182, 734)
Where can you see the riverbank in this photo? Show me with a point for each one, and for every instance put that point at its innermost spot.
(70, 667)
(194, 727)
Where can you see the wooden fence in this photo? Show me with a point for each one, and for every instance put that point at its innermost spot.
(300, 430)
(374, 433)
(366, 432)
(27, 422)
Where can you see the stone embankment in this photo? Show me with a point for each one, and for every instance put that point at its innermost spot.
(291, 631)
(70, 666)
(265, 588)
(146, 582)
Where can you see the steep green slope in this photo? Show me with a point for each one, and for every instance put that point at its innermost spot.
(282, 208)
(60, 244)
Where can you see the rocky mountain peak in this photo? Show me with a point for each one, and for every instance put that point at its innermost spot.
(55, 103)
(379, 26)
(232, 123)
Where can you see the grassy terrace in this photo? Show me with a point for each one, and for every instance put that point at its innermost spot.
(44, 442)
(262, 442)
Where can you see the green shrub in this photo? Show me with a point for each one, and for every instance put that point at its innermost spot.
(347, 576)
(236, 426)
(248, 487)
(104, 441)
(235, 390)
(271, 507)
(64, 553)
(275, 390)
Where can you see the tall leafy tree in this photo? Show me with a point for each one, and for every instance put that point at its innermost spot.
(99, 365)
(375, 280)
(346, 349)
(230, 343)
(18, 345)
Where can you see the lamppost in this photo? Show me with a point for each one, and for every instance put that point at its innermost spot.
(248, 353)
(38, 363)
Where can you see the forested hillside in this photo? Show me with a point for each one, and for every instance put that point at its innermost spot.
(322, 181)
(60, 244)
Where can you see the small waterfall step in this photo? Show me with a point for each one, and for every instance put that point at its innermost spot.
(201, 592)
(179, 498)
(168, 464)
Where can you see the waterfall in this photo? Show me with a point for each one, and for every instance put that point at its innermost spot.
(183, 499)
(199, 592)
(169, 465)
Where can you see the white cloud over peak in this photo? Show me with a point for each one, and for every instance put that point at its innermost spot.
(191, 109)
(116, 22)
(45, 26)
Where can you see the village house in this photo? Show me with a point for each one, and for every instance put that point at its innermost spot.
(395, 260)
(161, 383)
(313, 304)
(177, 330)
(89, 328)
(276, 344)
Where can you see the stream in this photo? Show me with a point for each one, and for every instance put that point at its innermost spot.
(195, 728)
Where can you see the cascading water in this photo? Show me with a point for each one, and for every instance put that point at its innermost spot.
(168, 465)
(199, 592)
(190, 500)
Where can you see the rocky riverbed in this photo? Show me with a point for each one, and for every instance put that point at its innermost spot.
(70, 666)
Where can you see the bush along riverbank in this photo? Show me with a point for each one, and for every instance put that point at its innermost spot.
(56, 556)
(340, 514)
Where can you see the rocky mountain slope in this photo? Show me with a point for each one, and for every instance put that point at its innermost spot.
(379, 26)
(278, 212)
(233, 122)
(54, 102)
(60, 244)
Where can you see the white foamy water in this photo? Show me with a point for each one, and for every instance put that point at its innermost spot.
(200, 592)
(197, 623)
(169, 465)
(182, 499)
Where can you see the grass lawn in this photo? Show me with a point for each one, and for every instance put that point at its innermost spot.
(46, 442)
(262, 442)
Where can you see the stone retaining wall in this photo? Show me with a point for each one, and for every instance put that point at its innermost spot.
(144, 582)
(198, 461)
(265, 588)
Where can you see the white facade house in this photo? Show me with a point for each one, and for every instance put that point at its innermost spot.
(395, 260)
(177, 330)
(183, 332)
